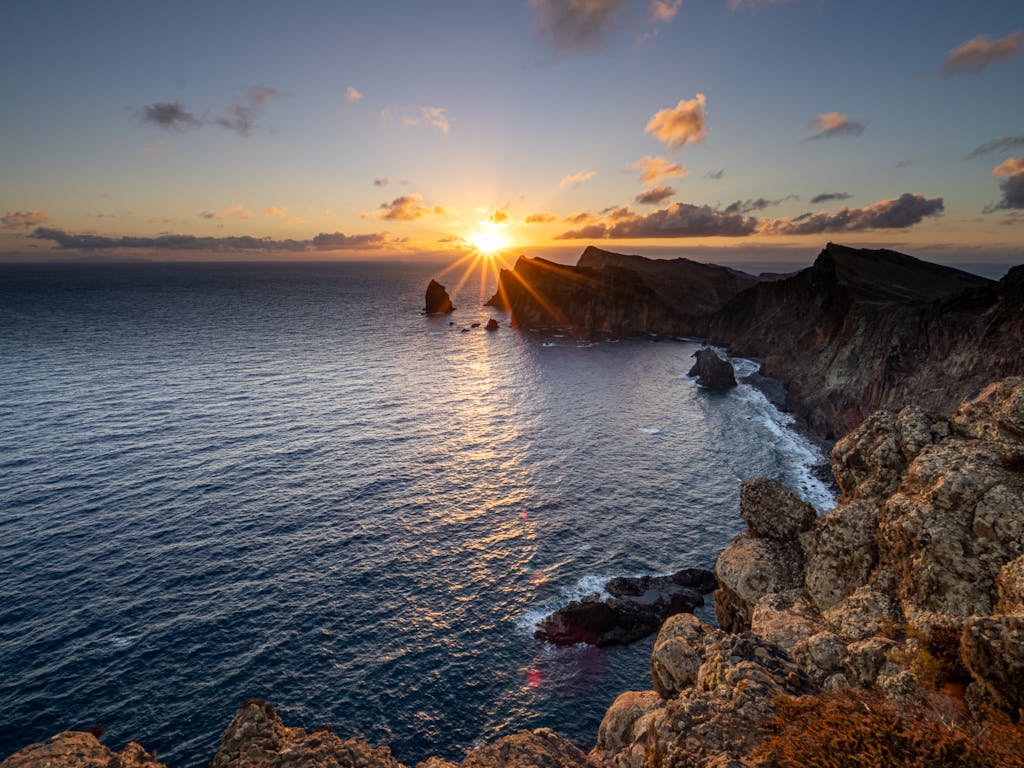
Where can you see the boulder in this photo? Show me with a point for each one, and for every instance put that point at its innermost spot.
(747, 570)
(636, 608)
(711, 371)
(992, 650)
(76, 749)
(438, 302)
(772, 511)
(840, 553)
(623, 727)
(539, 748)
(679, 651)
(256, 738)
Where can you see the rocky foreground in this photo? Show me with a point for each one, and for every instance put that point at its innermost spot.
(888, 632)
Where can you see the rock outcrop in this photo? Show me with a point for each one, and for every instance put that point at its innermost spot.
(76, 749)
(636, 608)
(613, 294)
(711, 371)
(438, 302)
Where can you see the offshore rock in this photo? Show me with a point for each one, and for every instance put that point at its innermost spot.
(492, 325)
(75, 749)
(636, 608)
(711, 371)
(438, 302)
(256, 738)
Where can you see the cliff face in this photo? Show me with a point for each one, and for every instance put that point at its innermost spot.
(864, 329)
(615, 294)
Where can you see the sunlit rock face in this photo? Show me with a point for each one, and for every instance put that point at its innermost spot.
(74, 749)
(867, 329)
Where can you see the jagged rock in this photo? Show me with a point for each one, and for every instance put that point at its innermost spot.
(1010, 587)
(840, 553)
(539, 748)
(636, 609)
(679, 651)
(438, 302)
(864, 613)
(492, 325)
(620, 735)
(787, 620)
(747, 570)
(711, 371)
(992, 650)
(996, 414)
(256, 738)
(772, 511)
(76, 749)
(435, 762)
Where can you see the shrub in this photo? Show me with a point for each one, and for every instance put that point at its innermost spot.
(861, 729)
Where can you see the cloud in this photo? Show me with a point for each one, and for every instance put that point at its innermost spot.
(749, 206)
(715, 175)
(828, 197)
(380, 182)
(832, 124)
(22, 219)
(171, 115)
(335, 241)
(434, 116)
(996, 145)
(242, 115)
(409, 208)
(352, 95)
(540, 218)
(498, 216)
(275, 211)
(752, 5)
(235, 211)
(981, 52)
(1012, 185)
(575, 26)
(655, 169)
(655, 195)
(677, 220)
(898, 213)
(574, 180)
(685, 123)
(663, 11)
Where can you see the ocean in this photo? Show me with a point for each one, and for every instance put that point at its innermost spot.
(226, 481)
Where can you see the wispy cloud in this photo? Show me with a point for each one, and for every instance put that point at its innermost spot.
(241, 116)
(409, 208)
(237, 211)
(352, 95)
(280, 213)
(832, 124)
(752, 5)
(576, 26)
(1011, 171)
(576, 179)
(655, 169)
(171, 115)
(898, 213)
(677, 220)
(828, 197)
(759, 204)
(981, 52)
(432, 116)
(540, 218)
(715, 175)
(498, 216)
(325, 241)
(1007, 143)
(685, 123)
(655, 195)
(663, 11)
(22, 219)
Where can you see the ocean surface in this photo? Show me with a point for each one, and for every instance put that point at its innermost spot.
(227, 481)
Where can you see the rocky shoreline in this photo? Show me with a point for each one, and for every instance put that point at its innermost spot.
(889, 631)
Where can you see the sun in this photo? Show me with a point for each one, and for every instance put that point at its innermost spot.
(488, 239)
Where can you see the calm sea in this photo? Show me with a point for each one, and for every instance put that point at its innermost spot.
(226, 481)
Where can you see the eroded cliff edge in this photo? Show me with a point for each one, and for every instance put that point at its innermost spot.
(857, 331)
(889, 631)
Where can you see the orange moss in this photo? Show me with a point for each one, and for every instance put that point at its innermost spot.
(861, 729)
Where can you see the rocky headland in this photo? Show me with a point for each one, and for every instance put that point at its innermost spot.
(887, 632)
(856, 331)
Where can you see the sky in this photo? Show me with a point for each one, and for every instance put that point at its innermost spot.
(720, 129)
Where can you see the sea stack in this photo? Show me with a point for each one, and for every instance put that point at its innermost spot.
(712, 371)
(438, 301)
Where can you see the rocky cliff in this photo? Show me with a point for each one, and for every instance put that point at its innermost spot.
(614, 294)
(865, 329)
(889, 631)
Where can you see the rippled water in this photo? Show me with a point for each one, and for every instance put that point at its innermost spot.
(228, 481)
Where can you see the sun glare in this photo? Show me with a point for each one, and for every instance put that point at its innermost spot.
(488, 240)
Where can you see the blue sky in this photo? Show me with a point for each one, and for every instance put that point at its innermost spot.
(472, 117)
